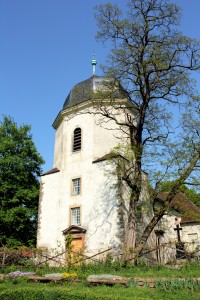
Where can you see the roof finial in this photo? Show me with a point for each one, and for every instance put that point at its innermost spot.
(94, 62)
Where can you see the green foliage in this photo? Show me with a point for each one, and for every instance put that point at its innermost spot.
(20, 165)
(69, 239)
(132, 283)
(178, 284)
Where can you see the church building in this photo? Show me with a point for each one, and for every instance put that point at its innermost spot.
(80, 196)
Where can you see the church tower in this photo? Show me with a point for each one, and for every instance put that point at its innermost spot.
(80, 195)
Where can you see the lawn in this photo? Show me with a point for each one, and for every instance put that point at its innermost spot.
(69, 291)
(21, 288)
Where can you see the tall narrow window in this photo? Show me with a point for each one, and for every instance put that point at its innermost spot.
(77, 140)
(75, 216)
(76, 186)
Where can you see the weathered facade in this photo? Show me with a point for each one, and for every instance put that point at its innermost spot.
(81, 195)
(178, 232)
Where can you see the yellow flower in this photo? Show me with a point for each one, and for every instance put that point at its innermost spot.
(67, 275)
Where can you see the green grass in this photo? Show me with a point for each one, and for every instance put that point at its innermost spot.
(67, 291)
(20, 288)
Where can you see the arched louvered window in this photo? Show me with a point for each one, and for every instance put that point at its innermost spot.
(77, 140)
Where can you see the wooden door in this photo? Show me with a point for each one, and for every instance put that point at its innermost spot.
(74, 255)
(77, 244)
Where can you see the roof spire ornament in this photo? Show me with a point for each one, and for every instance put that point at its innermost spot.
(94, 63)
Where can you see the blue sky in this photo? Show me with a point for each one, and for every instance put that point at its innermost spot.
(46, 48)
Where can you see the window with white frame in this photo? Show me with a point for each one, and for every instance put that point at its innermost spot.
(76, 186)
(75, 216)
(77, 140)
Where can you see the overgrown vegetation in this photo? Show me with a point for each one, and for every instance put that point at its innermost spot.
(182, 287)
(177, 283)
(186, 270)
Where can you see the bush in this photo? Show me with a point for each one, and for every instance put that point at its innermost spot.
(21, 256)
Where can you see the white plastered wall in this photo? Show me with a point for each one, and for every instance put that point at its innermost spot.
(191, 237)
(48, 214)
(169, 239)
(98, 201)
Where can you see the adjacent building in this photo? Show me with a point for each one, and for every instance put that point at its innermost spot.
(178, 232)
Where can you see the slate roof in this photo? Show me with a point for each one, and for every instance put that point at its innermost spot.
(82, 91)
(189, 212)
(55, 170)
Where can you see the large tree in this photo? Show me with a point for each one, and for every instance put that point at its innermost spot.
(153, 61)
(20, 166)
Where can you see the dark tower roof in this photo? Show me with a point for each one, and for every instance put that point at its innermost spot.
(82, 91)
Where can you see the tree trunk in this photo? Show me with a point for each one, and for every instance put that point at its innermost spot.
(131, 228)
(156, 218)
(130, 235)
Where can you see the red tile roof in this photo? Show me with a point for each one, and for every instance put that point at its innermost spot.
(190, 213)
